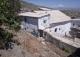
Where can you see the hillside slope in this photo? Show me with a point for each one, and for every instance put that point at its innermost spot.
(29, 6)
(72, 13)
(30, 46)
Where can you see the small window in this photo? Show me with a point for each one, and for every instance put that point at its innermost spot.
(25, 28)
(50, 30)
(73, 24)
(25, 19)
(45, 34)
(56, 30)
(78, 25)
(59, 28)
(44, 21)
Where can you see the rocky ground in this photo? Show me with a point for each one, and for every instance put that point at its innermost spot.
(26, 45)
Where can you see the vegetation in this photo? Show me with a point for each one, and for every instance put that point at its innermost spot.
(64, 48)
(31, 7)
(8, 13)
(71, 13)
(9, 10)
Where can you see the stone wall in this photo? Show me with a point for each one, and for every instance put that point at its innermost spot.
(30, 28)
(57, 42)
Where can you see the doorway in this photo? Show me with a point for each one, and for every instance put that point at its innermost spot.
(41, 33)
(56, 30)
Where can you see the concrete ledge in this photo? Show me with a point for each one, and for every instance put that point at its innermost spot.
(77, 40)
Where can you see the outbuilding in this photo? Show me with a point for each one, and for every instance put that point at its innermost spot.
(35, 23)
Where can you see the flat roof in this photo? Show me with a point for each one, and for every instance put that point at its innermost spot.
(56, 16)
(32, 14)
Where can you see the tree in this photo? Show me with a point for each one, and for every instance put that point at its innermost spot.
(9, 10)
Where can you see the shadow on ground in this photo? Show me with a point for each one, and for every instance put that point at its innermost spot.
(0, 55)
(76, 53)
(8, 45)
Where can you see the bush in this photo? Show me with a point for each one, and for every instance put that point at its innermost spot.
(66, 49)
(9, 37)
(5, 37)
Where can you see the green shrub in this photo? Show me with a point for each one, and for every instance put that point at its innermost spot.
(66, 49)
(9, 37)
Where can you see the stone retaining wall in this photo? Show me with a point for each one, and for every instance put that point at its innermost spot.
(57, 42)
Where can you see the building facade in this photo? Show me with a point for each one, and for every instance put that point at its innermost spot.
(35, 24)
(51, 21)
(75, 28)
(61, 28)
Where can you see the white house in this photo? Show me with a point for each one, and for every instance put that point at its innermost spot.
(75, 27)
(59, 22)
(75, 23)
(34, 22)
(50, 21)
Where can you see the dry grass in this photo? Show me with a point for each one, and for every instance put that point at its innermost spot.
(30, 46)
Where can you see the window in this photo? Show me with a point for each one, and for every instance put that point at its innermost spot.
(25, 28)
(78, 25)
(25, 19)
(56, 30)
(50, 30)
(45, 34)
(44, 21)
(73, 24)
(59, 28)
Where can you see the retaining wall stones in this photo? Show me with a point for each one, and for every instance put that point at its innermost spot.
(57, 42)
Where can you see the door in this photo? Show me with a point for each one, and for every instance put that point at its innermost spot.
(41, 33)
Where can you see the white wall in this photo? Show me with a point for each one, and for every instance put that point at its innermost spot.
(30, 25)
(62, 29)
(76, 23)
(41, 24)
(33, 24)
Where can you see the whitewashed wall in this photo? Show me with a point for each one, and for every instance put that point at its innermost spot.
(62, 28)
(75, 28)
(41, 24)
(75, 23)
(31, 25)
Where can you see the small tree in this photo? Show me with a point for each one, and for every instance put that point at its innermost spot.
(9, 10)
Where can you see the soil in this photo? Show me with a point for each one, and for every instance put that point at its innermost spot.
(27, 45)
(57, 50)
